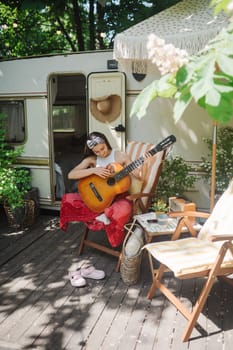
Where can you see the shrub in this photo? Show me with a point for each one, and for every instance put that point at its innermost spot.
(14, 182)
(224, 159)
(176, 177)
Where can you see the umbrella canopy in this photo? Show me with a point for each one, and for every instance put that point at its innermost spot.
(188, 25)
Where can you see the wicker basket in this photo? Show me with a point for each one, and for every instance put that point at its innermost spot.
(130, 265)
(27, 218)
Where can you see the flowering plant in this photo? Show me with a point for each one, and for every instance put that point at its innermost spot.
(206, 77)
(159, 206)
(167, 57)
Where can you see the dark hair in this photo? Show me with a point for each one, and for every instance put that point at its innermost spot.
(91, 136)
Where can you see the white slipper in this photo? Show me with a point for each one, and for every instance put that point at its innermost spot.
(76, 279)
(74, 273)
(103, 218)
(91, 272)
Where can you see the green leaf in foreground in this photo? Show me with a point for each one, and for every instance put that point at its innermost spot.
(143, 100)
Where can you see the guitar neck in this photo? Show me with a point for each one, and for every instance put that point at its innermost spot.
(132, 166)
(168, 141)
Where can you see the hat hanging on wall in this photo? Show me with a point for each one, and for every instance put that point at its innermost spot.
(106, 108)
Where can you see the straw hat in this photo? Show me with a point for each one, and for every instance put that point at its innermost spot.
(106, 108)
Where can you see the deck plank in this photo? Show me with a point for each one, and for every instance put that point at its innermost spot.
(227, 323)
(49, 287)
(83, 310)
(134, 326)
(115, 336)
(39, 308)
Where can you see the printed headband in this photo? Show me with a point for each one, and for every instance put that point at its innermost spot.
(96, 140)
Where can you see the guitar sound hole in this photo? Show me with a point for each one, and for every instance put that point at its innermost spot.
(111, 181)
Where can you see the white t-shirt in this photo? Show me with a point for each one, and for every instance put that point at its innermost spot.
(107, 160)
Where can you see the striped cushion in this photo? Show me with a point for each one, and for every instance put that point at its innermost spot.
(188, 255)
(198, 254)
(137, 149)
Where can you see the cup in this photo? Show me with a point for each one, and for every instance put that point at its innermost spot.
(162, 218)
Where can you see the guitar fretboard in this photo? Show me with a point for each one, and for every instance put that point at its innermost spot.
(132, 166)
(168, 141)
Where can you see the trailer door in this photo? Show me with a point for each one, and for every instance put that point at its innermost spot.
(68, 128)
(106, 106)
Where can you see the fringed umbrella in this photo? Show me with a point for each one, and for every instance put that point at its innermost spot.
(188, 25)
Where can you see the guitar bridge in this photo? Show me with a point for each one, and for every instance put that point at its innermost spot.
(96, 193)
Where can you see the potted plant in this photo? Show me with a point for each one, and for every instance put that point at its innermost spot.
(177, 176)
(14, 184)
(161, 208)
(14, 181)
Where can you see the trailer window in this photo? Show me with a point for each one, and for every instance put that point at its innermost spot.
(63, 118)
(15, 121)
(69, 118)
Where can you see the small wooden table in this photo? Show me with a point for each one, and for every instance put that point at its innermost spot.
(155, 229)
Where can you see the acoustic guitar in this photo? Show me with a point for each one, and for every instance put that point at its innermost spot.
(98, 193)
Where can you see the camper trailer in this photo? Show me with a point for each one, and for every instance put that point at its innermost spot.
(50, 103)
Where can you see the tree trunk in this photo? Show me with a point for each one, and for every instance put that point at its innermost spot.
(92, 25)
(78, 26)
(100, 19)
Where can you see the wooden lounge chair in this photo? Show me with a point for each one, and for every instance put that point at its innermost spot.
(208, 254)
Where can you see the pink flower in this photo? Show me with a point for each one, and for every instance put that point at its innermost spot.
(167, 57)
(230, 6)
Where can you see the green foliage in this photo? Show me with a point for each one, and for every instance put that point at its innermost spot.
(175, 178)
(220, 5)
(165, 87)
(144, 99)
(59, 26)
(14, 182)
(7, 155)
(27, 32)
(224, 159)
(207, 79)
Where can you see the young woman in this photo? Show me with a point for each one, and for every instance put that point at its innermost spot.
(98, 159)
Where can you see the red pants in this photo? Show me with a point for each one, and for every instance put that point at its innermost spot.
(119, 213)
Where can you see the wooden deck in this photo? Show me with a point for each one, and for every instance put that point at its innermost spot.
(41, 310)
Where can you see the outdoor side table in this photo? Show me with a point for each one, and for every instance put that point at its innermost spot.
(154, 229)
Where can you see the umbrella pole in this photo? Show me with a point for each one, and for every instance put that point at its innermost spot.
(213, 175)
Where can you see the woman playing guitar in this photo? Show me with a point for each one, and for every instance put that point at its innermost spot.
(99, 159)
(99, 163)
